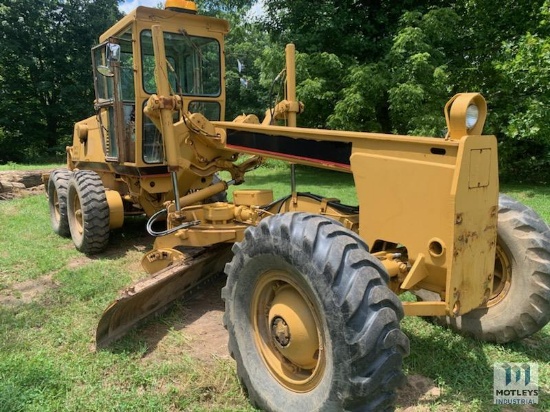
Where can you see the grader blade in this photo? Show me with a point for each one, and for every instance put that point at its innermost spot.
(153, 294)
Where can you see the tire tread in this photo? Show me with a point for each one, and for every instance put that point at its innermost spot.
(95, 208)
(59, 181)
(357, 284)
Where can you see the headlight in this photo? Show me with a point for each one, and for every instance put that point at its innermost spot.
(465, 114)
(472, 114)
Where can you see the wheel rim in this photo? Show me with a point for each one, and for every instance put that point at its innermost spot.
(55, 202)
(502, 277)
(287, 331)
(77, 214)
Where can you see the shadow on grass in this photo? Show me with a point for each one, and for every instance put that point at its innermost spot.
(536, 346)
(132, 236)
(463, 367)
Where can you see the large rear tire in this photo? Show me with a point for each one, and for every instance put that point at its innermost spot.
(312, 324)
(88, 212)
(520, 303)
(57, 201)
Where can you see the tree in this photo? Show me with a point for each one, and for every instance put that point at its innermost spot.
(404, 91)
(45, 82)
(524, 66)
(420, 82)
(360, 30)
(245, 92)
(402, 60)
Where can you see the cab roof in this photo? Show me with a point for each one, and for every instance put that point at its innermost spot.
(149, 16)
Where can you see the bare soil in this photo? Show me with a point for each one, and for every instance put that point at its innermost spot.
(26, 292)
(203, 323)
(196, 326)
(417, 394)
(20, 183)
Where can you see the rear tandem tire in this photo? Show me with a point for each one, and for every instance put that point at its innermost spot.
(312, 324)
(520, 304)
(88, 212)
(57, 201)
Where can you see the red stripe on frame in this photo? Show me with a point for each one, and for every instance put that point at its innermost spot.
(309, 159)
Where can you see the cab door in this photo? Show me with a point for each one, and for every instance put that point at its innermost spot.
(115, 99)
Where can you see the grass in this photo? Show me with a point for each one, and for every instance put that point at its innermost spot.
(537, 197)
(276, 176)
(47, 362)
(19, 166)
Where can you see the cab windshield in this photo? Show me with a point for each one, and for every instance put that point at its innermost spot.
(194, 64)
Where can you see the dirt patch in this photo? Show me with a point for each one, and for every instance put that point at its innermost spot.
(204, 324)
(19, 183)
(78, 262)
(524, 408)
(26, 292)
(28, 178)
(194, 328)
(417, 394)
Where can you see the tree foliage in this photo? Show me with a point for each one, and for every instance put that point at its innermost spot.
(524, 67)
(45, 78)
(370, 65)
(401, 61)
(246, 93)
(354, 29)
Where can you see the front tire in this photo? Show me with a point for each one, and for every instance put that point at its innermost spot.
(57, 201)
(88, 212)
(312, 324)
(520, 303)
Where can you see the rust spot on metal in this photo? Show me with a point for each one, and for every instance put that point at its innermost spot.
(467, 236)
(456, 308)
(458, 219)
(167, 102)
(486, 297)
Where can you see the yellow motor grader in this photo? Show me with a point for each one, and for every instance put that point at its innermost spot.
(311, 298)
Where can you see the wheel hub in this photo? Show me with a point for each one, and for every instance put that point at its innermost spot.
(293, 328)
(78, 218)
(288, 331)
(502, 277)
(56, 205)
(280, 331)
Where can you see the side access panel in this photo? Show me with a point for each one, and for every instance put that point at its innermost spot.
(438, 199)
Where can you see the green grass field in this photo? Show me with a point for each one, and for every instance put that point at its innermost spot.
(17, 166)
(51, 298)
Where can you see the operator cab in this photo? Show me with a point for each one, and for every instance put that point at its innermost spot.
(124, 77)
